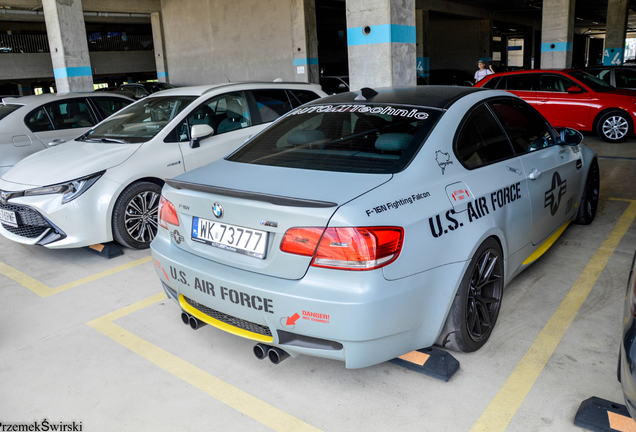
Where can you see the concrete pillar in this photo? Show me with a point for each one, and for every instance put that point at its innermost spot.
(160, 52)
(68, 44)
(617, 11)
(485, 42)
(305, 41)
(381, 37)
(422, 60)
(557, 34)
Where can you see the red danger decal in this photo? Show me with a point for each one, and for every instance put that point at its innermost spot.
(316, 317)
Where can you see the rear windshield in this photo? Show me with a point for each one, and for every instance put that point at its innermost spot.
(345, 138)
(5, 110)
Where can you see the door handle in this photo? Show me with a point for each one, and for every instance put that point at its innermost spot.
(534, 174)
(57, 141)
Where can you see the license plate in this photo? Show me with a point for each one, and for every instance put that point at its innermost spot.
(233, 238)
(8, 217)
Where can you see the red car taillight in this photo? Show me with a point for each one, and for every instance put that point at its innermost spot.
(167, 213)
(345, 248)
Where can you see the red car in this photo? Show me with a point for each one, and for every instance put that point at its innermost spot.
(572, 98)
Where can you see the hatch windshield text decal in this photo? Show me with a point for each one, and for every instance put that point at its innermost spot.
(388, 110)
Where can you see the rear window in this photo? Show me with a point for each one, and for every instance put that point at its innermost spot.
(344, 138)
(5, 110)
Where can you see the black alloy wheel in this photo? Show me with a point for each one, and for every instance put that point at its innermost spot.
(476, 306)
(591, 193)
(135, 215)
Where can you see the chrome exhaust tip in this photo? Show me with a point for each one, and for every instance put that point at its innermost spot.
(196, 324)
(260, 350)
(277, 355)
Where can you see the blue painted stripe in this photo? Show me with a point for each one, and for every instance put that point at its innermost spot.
(515, 48)
(162, 74)
(384, 33)
(70, 72)
(305, 61)
(558, 46)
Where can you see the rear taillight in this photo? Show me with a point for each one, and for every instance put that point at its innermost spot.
(167, 213)
(345, 248)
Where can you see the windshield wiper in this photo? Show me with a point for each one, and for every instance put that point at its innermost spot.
(114, 140)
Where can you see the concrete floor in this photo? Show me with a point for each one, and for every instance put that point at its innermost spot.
(142, 369)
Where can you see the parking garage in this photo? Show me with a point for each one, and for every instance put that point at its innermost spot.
(90, 342)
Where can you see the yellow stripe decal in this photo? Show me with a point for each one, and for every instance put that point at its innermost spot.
(235, 398)
(220, 324)
(508, 400)
(546, 244)
(44, 291)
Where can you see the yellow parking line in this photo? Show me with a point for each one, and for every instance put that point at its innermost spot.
(509, 398)
(218, 389)
(44, 290)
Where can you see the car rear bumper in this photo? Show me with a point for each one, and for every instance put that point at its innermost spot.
(373, 319)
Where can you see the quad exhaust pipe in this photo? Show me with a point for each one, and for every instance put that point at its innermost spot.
(275, 355)
(194, 323)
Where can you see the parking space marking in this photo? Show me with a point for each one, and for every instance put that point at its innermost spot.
(510, 397)
(44, 290)
(213, 386)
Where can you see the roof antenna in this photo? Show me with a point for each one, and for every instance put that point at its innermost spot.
(365, 93)
(228, 80)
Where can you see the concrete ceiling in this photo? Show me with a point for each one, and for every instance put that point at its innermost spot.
(590, 14)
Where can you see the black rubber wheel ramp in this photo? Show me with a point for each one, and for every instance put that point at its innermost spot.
(600, 415)
(430, 361)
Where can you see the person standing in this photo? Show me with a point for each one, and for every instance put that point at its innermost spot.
(482, 72)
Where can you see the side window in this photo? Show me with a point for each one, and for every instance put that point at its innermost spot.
(625, 78)
(520, 82)
(38, 121)
(73, 113)
(525, 127)
(554, 83)
(301, 97)
(271, 104)
(492, 84)
(109, 106)
(481, 141)
(223, 113)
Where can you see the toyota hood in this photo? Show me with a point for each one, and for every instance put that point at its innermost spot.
(68, 161)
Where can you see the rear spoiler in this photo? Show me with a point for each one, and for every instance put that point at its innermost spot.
(254, 196)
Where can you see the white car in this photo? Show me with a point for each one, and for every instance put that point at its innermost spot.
(32, 123)
(106, 184)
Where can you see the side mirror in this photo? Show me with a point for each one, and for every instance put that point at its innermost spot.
(575, 89)
(569, 136)
(199, 132)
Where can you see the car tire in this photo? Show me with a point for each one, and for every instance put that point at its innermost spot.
(589, 200)
(613, 126)
(475, 309)
(135, 215)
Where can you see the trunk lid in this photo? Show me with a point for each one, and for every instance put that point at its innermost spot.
(258, 198)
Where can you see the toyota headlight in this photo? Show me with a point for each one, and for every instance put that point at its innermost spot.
(69, 190)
